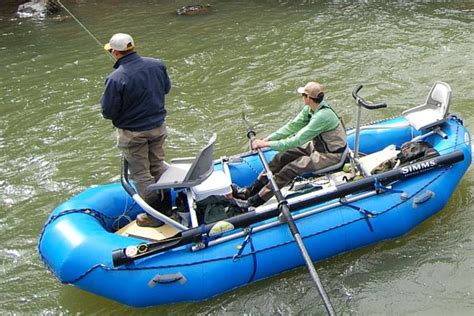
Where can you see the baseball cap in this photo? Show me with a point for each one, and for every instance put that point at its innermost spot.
(121, 42)
(313, 89)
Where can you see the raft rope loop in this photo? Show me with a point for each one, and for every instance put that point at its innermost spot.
(238, 255)
(380, 188)
(367, 214)
(99, 216)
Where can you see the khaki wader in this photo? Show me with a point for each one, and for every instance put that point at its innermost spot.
(145, 154)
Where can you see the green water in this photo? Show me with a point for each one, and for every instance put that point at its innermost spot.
(243, 55)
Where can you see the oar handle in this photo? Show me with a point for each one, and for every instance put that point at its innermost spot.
(362, 102)
(251, 134)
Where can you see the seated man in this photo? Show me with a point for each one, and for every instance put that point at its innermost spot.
(313, 140)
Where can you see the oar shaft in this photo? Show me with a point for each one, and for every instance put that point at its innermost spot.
(314, 275)
(285, 210)
(283, 204)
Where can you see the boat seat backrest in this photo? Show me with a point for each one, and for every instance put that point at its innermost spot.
(203, 165)
(188, 172)
(434, 111)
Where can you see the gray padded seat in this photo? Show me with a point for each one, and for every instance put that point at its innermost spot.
(188, 172)
(434, 111)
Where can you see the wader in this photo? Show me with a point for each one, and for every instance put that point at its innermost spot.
(145, 154)
(324, 150)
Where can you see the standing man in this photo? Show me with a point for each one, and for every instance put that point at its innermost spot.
(313, 140)
(134, 99)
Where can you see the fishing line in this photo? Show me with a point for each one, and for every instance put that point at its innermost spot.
(85, 28)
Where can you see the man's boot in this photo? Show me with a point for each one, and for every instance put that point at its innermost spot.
(246, 193)
(162, 204)
(145, 220)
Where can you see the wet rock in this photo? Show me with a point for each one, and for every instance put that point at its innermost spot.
(194, 9)
(38, 9)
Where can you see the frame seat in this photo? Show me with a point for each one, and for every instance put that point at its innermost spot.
(188, 172)
(434, 111)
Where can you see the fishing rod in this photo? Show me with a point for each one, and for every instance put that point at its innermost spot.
(88, 32)
(285, 212)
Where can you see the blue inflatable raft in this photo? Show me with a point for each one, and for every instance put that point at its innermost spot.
(93, 242)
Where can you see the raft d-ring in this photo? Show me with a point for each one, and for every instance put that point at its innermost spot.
(404, 196)
(425, 197)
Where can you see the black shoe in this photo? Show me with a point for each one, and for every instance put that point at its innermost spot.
(238, 193)
(248, 192)
(162, 202)
(256, 200)
(242, 204)
(145, 220)
(253, 201)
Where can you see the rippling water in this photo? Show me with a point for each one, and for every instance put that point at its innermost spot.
(244, 55)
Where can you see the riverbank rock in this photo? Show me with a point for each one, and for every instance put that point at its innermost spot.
(38, 9)
(194, 9)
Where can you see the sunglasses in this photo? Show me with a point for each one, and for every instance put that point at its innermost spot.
(304, 95)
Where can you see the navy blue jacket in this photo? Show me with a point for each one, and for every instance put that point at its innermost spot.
(134, 96)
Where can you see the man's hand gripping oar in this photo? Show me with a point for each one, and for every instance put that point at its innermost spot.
(285, 212)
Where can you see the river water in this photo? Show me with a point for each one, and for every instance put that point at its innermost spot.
(243, 55)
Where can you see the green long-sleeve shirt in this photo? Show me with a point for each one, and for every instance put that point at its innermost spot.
(304, 127)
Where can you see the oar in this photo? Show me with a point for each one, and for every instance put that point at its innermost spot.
(285, 211)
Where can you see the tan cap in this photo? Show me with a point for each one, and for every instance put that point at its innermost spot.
(121, 42)
(313, 89)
